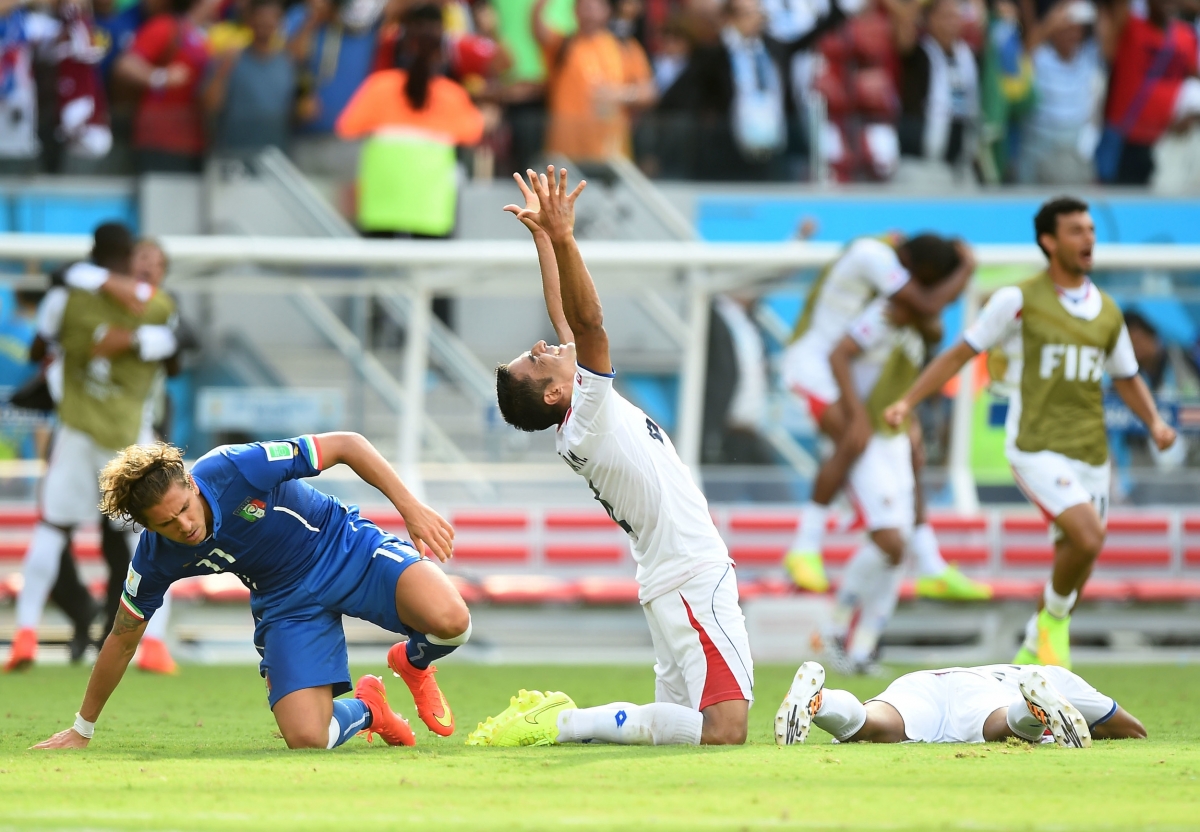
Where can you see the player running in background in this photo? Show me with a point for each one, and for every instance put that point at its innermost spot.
(112, 345)
(921, 274)
(704, 674)
(877, 360)
(1067, 334)
(307, 559)
(958, 704)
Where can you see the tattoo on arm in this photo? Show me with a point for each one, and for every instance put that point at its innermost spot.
(125, 623)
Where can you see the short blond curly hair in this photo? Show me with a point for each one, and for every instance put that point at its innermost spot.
(137, 478)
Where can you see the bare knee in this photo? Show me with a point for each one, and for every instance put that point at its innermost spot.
(725, 732)
(305, 736)
(450, 621)
(1090, 541)
(891, 543)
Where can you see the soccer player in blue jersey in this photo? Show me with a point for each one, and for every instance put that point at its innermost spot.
(307, 559)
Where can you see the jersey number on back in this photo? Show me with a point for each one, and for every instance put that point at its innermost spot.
(655, 430)
(608, 508)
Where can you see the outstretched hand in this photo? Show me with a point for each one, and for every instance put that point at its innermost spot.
(896, 413)
(555, 211)
(69, 738)
(531, 203)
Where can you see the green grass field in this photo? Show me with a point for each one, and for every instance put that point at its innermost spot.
(199, 751)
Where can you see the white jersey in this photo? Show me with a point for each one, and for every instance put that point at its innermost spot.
(635, 473)
(868, 269)
(999, 325)
(878, 337)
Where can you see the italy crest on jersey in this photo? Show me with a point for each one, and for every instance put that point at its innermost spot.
(251, 510)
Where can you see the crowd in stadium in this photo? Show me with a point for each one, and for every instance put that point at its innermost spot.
(1029, 91)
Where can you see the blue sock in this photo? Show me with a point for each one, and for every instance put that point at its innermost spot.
(423, 650)
(349, 717)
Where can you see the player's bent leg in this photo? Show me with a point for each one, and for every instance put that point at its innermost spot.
(40, 569)
(883, 724)
(725, 723)
(439, 622)
(304, 715)
(803, 559)
(1075, 552)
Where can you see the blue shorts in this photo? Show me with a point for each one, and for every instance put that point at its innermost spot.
(298, 631)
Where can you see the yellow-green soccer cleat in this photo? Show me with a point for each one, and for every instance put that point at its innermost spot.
(1025, 656)
(531, 718)
(806, 570)
(952, 585)
(1054, 640)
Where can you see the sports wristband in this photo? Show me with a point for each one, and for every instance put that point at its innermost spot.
(158, 78)
(84, 728)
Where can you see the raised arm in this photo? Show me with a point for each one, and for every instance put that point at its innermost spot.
(1136, 395)
(110, 666)
(928, 301)
(546, 262)
(580, 302)
(428, 530)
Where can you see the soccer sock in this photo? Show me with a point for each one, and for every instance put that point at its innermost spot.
(624, 723)
(40, 571)
(927, 557)
(858, 578)
(1030, 642)
(349, 717)
(157, 628)
(812, 528)
(877, 609)
(422, 650)
(1058, 605)
(1023, 723)
(841, 714)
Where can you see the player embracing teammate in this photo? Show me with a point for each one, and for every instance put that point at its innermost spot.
(1061, 334)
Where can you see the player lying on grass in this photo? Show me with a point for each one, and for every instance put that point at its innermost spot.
(880, 356)
(1061, 335)
(958, 704)
(687, 586)
(307, 559)
(920, 274)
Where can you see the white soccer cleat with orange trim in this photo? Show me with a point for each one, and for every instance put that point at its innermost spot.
(794, 717)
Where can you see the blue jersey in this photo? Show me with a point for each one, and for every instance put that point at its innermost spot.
(269, 528)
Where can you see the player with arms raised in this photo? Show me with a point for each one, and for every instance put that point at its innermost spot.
(307, 559)
(687, 585)
(1061, 335)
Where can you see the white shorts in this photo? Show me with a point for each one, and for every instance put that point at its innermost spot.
(806, 372)
(71, 490)
(1094, 705)
(946, 705)
(881, 483)
(701, 650)
(1055, 483)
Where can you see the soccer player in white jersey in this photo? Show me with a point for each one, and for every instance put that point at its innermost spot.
(704, 674)
(921, 274)
(1061, 334)
(958, 704)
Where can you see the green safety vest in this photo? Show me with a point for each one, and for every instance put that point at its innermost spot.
(899, 373)
(1062, 407)
(407, 184)
(106, 397)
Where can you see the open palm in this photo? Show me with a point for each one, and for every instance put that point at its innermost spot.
(532, 204)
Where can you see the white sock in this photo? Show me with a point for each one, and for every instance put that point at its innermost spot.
(841, 714)
(860, 575)
(927, 557)
(1023, 723)
(40, 571)
(1058, 605)
(812, 528)
(157, 628)
(877, 610)
(623, 723)
(1030, 642)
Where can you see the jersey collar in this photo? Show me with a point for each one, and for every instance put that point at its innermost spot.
(213, 506)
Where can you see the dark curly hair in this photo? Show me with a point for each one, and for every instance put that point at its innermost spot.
(137, 478)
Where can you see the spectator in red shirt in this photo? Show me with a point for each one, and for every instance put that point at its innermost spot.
(167, 62)
(1151, 59)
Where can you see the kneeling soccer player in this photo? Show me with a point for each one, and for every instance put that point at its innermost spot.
(958, 704)
(307, 559)
(687, 585)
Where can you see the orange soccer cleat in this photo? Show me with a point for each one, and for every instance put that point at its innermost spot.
(432, 706)
(394, 728)
(153, 657)
(24, 650)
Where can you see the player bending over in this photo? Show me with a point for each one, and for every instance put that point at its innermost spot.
(687, 585)
(1061, 334)
(921, 275)
(958, 704)
(307, 559)
(880, 356)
